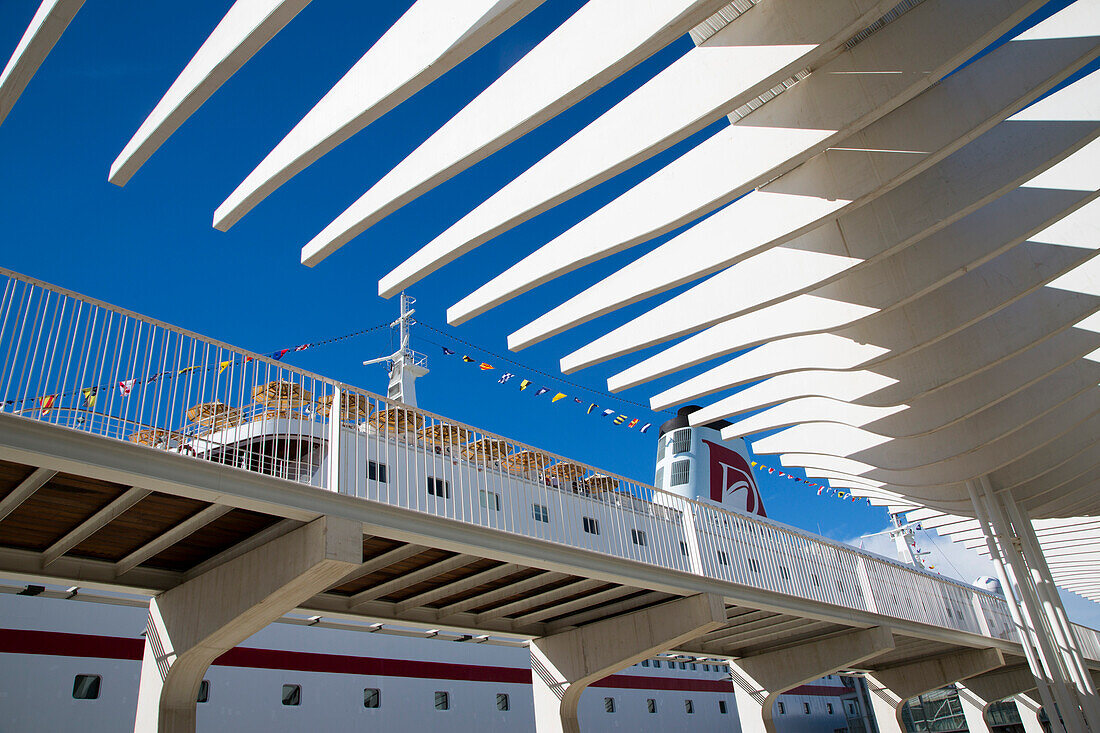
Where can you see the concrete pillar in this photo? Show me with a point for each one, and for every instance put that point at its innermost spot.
(194, 623)
(974, 709)
(892, 687)
(564, 664)
(1042, 681)
(758, 680)
(1029, 709)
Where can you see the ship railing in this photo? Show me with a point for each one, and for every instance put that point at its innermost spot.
(85, 365)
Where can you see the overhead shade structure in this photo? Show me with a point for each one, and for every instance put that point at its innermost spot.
(889, 277)
(156, 437)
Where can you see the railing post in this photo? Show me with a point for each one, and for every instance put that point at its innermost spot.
(334, 441)
(865, 584)
(979, 611)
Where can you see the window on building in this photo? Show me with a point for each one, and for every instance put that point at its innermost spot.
(689, 707)
(660, 477)
(372, 697)
(657, 663)
(782, 708)
(661, 445)
(645, 662)
(489, 499)
(851, 708)
(376, 471)
(753, 565)
(540, 513)
(651, 705)
(503, 703)
(442, 700)
(693, 666)
(683, 548)
(706, 667)
(722, 707)
(292, 694)
(439, 487)
(829, 708)
(681, 473)
(86, 687)
(609, 704)
(204, 692)
(638, 537)
(806, 708)
(683, 666)
(681, 440)
(591, 526)
(723, 558)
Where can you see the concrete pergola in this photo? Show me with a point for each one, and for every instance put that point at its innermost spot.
(894, 279)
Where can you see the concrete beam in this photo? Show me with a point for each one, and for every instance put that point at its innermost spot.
(181, 531)
(45, 28)
(94, 523)
(760, 679)
(892, 687)
(999, 684)
(565, 664)
(38, 478)
(192, 624)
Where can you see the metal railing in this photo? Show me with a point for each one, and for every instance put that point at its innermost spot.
(83, 364)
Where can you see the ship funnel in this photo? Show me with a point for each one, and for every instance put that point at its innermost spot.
(697, 463)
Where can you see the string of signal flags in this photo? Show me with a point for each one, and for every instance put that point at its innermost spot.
(505, 377)
(822, 489)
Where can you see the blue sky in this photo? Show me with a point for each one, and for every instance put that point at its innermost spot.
(150, 246)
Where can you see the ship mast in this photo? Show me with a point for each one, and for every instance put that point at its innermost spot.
(405, 365)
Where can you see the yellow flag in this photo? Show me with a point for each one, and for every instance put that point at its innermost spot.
(223, 365)
(558, 396)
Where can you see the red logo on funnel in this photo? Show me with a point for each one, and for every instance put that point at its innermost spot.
(730, 475)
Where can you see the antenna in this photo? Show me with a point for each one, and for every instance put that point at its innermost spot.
(904, 535)
(405, 365)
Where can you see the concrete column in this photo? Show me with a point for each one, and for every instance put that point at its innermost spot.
(1029, 709)
(1056, 613)
(892, 687)
(1064, 696)
(1014, 610)
(564, 664)
(194, 623)
(974, 709)
(758, 680)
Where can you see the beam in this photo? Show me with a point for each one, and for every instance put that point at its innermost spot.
(564, 664)
(181, 531)
(276, 530)
(45, 28)
(38, 478)
(579, 586)
(94, 523)
(890, 688)
(759, 679)
(194, 623)
(409, 579)
(456, 587)
(498, 594)
(586, 602)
